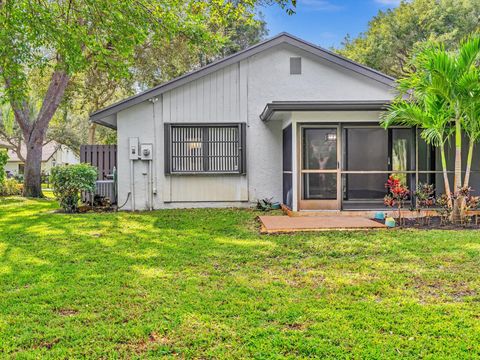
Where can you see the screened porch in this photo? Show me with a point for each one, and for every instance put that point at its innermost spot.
(344, 166)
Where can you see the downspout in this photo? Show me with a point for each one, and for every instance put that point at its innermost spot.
(150, 181)
(153, 167)
(132, 184)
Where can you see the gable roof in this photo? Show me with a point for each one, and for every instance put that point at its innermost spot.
(282, 38)
(48, 151)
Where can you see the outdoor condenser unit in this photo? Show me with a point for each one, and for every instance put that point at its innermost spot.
(106, 189)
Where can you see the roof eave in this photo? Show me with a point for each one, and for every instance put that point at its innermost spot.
(370, 105)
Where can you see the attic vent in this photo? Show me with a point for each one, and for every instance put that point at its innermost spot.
(295, 65)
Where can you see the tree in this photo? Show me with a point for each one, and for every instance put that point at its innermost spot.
(394, 35)
(427, 112)
(443, 90)
(63, 38)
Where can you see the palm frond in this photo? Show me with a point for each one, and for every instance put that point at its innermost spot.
(404, 113)
(469, 51)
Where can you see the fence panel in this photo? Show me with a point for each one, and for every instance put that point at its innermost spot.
(103, 157)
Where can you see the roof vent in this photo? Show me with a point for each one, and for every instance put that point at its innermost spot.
(295, 65)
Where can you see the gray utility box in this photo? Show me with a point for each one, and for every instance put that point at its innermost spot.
(146, 152)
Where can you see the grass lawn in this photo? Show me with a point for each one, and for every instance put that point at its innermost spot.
(205, 284)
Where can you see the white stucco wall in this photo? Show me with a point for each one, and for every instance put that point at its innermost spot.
(237, 93)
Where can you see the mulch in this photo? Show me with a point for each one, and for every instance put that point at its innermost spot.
(435, 223)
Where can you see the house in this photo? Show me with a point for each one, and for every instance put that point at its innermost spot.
(284, 119)
(53, 154)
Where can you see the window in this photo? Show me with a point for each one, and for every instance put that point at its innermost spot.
(196, 148)
(295, 65)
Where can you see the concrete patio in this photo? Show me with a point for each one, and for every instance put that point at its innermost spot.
(286, 224)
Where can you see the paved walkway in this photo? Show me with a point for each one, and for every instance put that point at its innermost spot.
(281, 224)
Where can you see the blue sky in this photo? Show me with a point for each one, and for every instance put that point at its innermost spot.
(325, 22)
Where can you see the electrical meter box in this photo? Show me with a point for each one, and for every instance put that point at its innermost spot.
(133, 148)
(146, 151)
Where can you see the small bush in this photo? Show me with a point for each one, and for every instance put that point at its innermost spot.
(69, 181)
(11, 187)
(3, 162)
(397, 195)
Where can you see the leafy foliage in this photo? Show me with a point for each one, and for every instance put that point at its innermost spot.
(68, 181)
(398, 193)
(3, 162)
(440, 96)
(394, 35)
(425, 196)
(11, 187)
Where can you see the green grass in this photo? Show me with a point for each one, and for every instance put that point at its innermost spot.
(205, 284)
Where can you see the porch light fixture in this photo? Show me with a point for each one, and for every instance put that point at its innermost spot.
(194, 145)
(331, 137)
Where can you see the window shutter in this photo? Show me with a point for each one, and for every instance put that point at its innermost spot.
(199, 148)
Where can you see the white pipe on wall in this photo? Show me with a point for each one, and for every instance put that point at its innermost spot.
(147, 189)
(155, 144)
(132, 184)
(150, 180)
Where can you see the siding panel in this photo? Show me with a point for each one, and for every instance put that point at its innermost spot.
(213, 98)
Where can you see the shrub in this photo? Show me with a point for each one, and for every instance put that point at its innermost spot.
(3, 162)
(425, 198)
(397, 195)
(69, 181)
(11, 187)
(445, 207)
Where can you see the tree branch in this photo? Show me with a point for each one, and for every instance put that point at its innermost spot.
(51, 100)
(14, 144)
(20, 109)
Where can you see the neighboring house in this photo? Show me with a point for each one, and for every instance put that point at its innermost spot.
(284, 119)
(53, 154)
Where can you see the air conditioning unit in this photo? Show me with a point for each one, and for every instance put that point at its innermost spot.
(106, 189)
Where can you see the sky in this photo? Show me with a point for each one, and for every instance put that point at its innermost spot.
(325, 22)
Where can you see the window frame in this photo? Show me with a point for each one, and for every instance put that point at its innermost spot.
(242, 158)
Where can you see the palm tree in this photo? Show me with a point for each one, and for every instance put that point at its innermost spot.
(452, 76)
(469, 89)
(440, 95)
(430, 114)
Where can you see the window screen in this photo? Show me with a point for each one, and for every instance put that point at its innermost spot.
(205, 148)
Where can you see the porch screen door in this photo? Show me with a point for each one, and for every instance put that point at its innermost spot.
(319, 173)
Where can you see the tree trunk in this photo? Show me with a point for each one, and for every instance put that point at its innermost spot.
(469, 163)
(34, 131)
(33, 173)
(457, 206)
(444, 170)
(92, 127)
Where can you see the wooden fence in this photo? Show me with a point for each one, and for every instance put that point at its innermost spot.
(103, 157)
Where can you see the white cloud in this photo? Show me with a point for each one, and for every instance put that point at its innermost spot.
(318, 5)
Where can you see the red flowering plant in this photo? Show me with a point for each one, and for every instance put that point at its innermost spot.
(425, 199)
(470, 202)
(398, 193)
